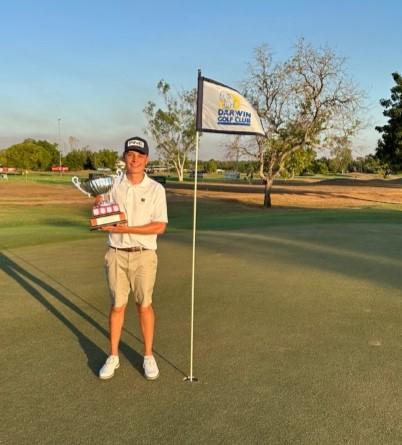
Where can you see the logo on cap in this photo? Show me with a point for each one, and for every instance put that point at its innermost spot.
(135, 143)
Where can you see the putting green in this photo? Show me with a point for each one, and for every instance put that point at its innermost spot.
(297, 332)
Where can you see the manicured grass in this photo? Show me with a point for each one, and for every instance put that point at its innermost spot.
(44, 177)
(23, 225)
(297, 330)
(37, 225)
(65, 178)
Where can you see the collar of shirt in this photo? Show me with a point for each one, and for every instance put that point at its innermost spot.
(143, 184)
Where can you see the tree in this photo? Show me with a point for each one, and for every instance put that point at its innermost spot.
(367, 164)
(297, 163)
(30, 154)
(389, 148)
(105, 158)
(210, 166)
(173, 128)
(234, 148)
(303, 103)
(76, 159)
(73, 142)
(341, 152)
(81, 159)
(320, 166)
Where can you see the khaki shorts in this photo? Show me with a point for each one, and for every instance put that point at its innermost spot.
(131, 271)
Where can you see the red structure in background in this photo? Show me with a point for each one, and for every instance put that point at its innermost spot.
(57, 168)
(8, 169)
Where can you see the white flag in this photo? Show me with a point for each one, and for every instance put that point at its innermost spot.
(221, 109)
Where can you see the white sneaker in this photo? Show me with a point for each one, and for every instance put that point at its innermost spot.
(151, 370)
(107, 370)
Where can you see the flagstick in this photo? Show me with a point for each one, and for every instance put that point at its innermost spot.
(213, 91)
(191, 378)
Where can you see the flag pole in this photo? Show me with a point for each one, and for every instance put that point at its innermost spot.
(191, 377)
(251, 125)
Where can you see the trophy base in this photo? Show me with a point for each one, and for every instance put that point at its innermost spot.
(107, 220)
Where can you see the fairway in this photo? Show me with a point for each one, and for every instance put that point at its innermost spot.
(298, 329)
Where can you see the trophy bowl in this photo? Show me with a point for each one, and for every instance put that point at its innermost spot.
(94, 186)
(106, 212)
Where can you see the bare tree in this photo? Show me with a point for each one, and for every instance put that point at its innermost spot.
(73, 142)
(173, 127)
(239, 148)
(303, 103)
(233, 148)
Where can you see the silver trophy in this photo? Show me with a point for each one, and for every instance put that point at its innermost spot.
(106, 212)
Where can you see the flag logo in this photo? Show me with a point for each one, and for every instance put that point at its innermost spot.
(221, 109)
(230, 110)
(229, 100)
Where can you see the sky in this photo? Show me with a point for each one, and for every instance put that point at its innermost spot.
(91, 66)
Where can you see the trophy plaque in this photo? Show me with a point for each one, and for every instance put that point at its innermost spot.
(105, 213)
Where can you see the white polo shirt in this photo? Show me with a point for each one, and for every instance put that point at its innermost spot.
(142, 203)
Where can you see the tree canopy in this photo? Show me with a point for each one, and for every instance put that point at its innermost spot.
(173, 126)
(30, 154)
(389, 148)
(303, 102)
(34, 154)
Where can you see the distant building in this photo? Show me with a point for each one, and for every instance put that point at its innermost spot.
(200, 175)
(103, 169)
(157, 169)
(58, 168)
(231, 174)
(8, 170)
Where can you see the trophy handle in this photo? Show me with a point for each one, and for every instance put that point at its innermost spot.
(76, 181)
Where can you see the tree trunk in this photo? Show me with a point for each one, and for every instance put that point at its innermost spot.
(179, 170)
(180, 167)
(267, 192)
(181, 173)
(267, 174)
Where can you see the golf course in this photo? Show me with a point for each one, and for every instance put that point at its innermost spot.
(298, 319)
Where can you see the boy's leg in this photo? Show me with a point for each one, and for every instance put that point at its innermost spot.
(116, 321)
(146, 317)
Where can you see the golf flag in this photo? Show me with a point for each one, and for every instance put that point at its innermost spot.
(221, 109)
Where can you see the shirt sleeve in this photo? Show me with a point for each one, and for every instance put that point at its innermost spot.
(160, 206)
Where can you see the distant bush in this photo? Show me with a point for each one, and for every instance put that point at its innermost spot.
(30, 154)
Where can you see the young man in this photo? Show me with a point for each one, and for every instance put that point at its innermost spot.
(131, 259)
